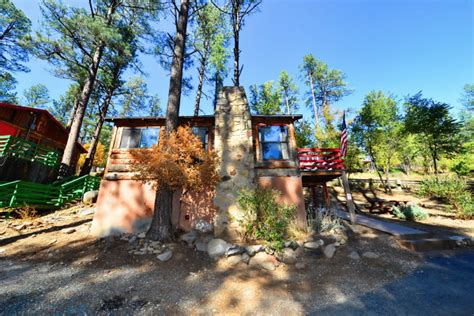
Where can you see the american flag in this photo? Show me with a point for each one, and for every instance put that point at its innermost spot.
(344, 135)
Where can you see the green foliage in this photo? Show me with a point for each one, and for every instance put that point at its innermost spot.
(62, 107)
(36, 96)
(264, 216)
(453, 190)
(468, 97)
(7, 88)
(410, 212)
(432, 121)
(325, 87)
(14, 28)
(378, 129)
(304, 134)
(135, 100)
(265, 99)
(289, 93)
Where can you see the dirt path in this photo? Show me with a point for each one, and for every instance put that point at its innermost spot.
(45, 270)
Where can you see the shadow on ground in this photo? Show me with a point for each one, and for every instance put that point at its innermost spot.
(80, 275)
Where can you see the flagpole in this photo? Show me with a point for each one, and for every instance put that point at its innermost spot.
(345, 181)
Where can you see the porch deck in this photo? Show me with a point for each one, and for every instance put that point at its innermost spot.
(319, 165)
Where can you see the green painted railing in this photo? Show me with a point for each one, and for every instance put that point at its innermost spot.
(18, 147)
(46, 196)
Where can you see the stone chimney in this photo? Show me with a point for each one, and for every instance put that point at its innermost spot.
(233, 144)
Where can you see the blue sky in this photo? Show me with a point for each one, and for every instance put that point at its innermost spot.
(399, 47)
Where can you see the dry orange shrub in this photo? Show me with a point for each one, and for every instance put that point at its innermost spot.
(178, 161)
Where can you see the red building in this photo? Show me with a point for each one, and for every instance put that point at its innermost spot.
(31, 143)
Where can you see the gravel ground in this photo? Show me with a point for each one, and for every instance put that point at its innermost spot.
(47, 271)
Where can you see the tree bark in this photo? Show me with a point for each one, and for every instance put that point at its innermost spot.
(236, 29)
(86, 168)
(386, 187)
(65, 168)
(315, 108)
(287, 105)
(202, 70)
(176, 76)
(73, 113)
(218, 87)
(161, 228)
(435, 156)
(70, 150)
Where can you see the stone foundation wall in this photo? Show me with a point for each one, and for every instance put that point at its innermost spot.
(233, 144)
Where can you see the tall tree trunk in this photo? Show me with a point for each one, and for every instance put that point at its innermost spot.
(161, 228)
(202, 70)
(435, 158)
(236, 28)
(218, 87)
(384, 184)
(70, 149)
(313, 98)
(287, 105)
(73, 113)
(86, 168)
(65, 168)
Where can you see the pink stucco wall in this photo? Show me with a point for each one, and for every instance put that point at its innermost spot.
(123, 204)
(292, 193)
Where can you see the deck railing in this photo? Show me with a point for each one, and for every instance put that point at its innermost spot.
(46, 196)
(319, 159)
(18, 147)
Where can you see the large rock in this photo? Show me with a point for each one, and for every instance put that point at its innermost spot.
(287, 256)
(234, 250)
(264, 260)
(203, 226)
(201, 246)
(189, 237)
(253, 249)
(291, 244)
(314, 245)
(233, 260)
(165, 256)
(217, 247)
(245, 258)
(90, 197)
(329, 250)
(354, 255)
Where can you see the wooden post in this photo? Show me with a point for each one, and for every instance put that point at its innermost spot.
(313, 195)
(348, 194)
(326, 196)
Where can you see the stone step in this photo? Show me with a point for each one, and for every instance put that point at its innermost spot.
(428, 244)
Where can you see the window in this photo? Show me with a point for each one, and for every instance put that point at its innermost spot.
(203, 134)
(274, 142)
(139, 137)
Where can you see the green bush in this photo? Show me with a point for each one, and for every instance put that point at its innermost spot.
(410, 212)
(464, 203)
(453, 190)
(264, 217)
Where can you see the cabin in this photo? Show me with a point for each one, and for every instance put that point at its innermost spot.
(252, 149)
(31, 144)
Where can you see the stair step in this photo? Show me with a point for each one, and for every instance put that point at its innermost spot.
(428, 244)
